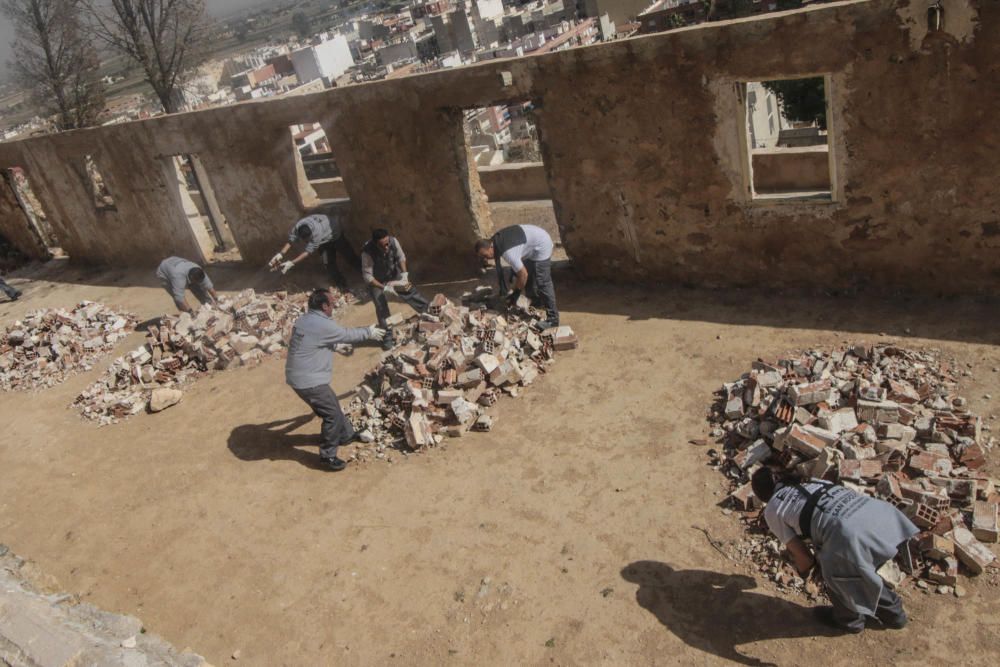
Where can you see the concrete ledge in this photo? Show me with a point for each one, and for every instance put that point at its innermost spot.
(523, 181)
(791, 169)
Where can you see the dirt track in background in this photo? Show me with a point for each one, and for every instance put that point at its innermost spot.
(564, 536)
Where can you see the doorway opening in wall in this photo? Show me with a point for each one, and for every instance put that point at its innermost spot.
(197, 199)
(319, 177)
(33, 210)
(103, 200)
(507, 151)
(788, 139)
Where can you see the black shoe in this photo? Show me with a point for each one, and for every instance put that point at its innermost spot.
(892, 622)
(335, 464)
(825, 616)
(16, 296)
(388, 343)
(546, 324)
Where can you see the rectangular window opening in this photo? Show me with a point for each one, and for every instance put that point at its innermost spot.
(33, 210)
(505, 144)
(320, 180)
(197, 199)
(103, 200)
(788, 139)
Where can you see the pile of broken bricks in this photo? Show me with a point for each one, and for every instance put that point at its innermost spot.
(48, 345)
(885, 421)
(451, 364)
(237, 331)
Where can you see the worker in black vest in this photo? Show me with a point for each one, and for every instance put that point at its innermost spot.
(383, 266)
(528, 251)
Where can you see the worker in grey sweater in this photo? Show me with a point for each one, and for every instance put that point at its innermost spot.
(325, 234)
(309, 369)
(177, 274)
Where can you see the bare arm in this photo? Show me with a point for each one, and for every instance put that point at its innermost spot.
(182, 305)
(301, 257)
(521, 278)
(802, 557)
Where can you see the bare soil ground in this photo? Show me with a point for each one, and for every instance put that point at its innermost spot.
(564, 536)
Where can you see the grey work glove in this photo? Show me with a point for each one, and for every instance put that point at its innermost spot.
(286, 267)
(375, 333)
(276, 260)
(389, 288)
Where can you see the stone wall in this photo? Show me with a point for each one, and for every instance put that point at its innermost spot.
(644, 150)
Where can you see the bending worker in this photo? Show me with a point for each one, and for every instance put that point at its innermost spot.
(383, 266)
(528, 251)
(318, 232)
(177, 274)
(309, 368)
(853, 535)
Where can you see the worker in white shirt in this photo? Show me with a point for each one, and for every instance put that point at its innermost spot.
(527, 249)
(853, 536)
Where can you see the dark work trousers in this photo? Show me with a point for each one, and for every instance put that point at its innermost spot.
(337, 430)
(8, 290)
(413, 298)
(328, 251)
(890, 609)
(541, 289)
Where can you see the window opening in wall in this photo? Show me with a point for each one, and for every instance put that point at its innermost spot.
(788, 139)
(198, 201)
(505, 145)
(98, 186)
(33, 210)
(320, 179)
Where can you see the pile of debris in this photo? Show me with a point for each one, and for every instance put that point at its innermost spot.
(237, 331)
(48, 345)
(885, 421)
(452, 363)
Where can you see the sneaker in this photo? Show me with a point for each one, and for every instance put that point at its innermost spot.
(545, 324)
(825, 616)
(892, 621)
(335, 464)
(388, 343)
(16, 296)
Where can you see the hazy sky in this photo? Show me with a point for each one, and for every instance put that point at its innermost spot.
(7, 30)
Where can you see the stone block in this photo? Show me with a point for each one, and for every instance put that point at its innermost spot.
(984, 521)
(970, 551)
(162, 398)
(809, 394)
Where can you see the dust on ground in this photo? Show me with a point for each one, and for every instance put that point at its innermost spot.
(566, 535)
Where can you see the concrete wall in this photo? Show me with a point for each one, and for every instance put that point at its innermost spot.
(789, 169)
(515, 181)
(15, 225)
(645, 150)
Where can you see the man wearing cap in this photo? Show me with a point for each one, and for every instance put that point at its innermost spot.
(177, 274)
(318, 232)
(383, 266)
(309, 369)
(528, 251)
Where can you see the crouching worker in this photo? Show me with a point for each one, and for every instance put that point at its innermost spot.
(853, 535)
(383, 266)
(177, 274)
(309, 369)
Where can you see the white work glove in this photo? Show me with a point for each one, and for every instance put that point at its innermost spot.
(286, 267)
(375, 333)
(404, 277)
(276, 260)
(389, 289)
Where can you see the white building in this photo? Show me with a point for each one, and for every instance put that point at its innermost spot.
(327, 60)
(764, 117)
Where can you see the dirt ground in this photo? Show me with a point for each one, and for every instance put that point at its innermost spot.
(565, 536)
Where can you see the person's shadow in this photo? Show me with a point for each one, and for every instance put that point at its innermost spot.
(713, 612)
(274, 442)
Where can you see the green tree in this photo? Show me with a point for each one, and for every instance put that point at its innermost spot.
(301, 24)
(801, 100)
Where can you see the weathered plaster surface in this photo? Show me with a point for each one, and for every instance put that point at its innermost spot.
(642, 149)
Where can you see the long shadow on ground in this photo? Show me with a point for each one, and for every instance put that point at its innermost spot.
(715, 612)
(274, 442)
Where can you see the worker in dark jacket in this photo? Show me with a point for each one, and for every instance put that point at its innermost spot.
(527, 249)
(853, 535)
(309, 369)
(383, 266)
